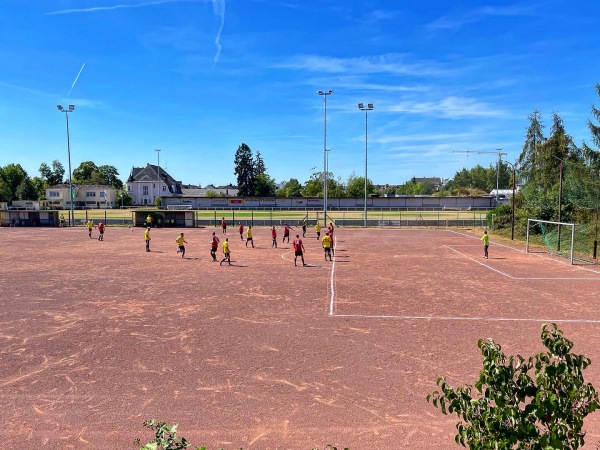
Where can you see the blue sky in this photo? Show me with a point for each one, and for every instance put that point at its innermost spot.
(196, 78)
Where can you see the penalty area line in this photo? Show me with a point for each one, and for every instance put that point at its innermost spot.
(471, 319)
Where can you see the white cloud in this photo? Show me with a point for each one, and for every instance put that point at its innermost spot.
(393, 64)
(449, 107)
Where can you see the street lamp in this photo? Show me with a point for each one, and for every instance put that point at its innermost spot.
(325, 94)
(71, 108)
(158, 168)
(366, 109)
(512, 215)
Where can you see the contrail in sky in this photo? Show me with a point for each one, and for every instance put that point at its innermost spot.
(107, 8)
(76, 78)
(219, 10)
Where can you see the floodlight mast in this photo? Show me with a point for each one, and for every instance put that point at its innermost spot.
(366, 109)
(70, 109)
(325, 94)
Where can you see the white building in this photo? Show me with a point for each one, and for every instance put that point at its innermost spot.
(145, 184)
(84, 196)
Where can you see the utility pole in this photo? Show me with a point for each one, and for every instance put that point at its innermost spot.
(497, 152)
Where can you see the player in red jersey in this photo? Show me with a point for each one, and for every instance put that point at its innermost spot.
(298, 250)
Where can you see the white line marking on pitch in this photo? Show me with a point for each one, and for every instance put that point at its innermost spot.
(331, 284)
(486, 319)
(523, 278)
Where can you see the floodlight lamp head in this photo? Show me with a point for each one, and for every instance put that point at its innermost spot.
(320, 92)
(370, 105)
(361, 105)
(59, 107)
(71, 107)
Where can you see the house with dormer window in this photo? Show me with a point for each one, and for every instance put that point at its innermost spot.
(145, 184)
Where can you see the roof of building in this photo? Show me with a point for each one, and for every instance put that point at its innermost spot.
(150, 173)
(82, 186)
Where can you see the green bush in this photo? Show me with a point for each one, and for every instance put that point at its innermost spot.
(538, 403)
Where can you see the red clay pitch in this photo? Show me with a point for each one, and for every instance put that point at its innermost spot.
(96, 337)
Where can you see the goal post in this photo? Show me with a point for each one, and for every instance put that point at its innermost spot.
(555, 235)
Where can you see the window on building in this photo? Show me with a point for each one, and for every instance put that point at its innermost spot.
(164, 188)
(53, 194)
(90, 194)
(145, 190)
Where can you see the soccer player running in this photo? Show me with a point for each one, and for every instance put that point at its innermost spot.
(249, 236)
(180, 247)
(327, 246)
(274, 237)
(332, 240)
(214, 245)
(299, 250)
(318, 231)
(486, 243)
(226, 252)
(147, 238)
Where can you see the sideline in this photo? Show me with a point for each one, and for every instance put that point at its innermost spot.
(331, 284)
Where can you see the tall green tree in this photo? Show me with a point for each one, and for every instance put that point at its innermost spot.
(13, 175)
(259, 165)
(291, 188)
(52, 175)
(534, 138)
(84, 173)
(5, 192)
(244, 170)
(355, 186)
(109, 175)
(264, 186)
(26, 190)
(558, 148)
(592, 156)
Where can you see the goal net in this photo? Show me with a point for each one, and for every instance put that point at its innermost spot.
(560, 238)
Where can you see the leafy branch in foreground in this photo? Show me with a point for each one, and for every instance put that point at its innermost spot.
(538, 403)
(166, 438)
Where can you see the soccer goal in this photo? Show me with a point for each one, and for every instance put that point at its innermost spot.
(559, 237)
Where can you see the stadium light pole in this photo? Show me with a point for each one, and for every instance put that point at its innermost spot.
(71, 108)
(158, 169)
(366, 109)
(325, 94)
(512, 215)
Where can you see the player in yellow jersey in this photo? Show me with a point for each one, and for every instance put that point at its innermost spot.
(90, 226)
(180, 247)
(147, 238)
(326, 241)
(486, 244)
(226, 253)
(318, 231)
(249, 236)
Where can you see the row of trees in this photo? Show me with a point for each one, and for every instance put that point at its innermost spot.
(16, 184)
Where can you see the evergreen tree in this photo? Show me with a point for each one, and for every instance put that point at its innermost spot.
(534, 137)
(592, 157)
(259, 165)
(244, 171)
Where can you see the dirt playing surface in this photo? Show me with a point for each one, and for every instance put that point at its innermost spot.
(97, 336)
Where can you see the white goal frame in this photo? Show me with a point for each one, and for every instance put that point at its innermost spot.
(572, 225)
